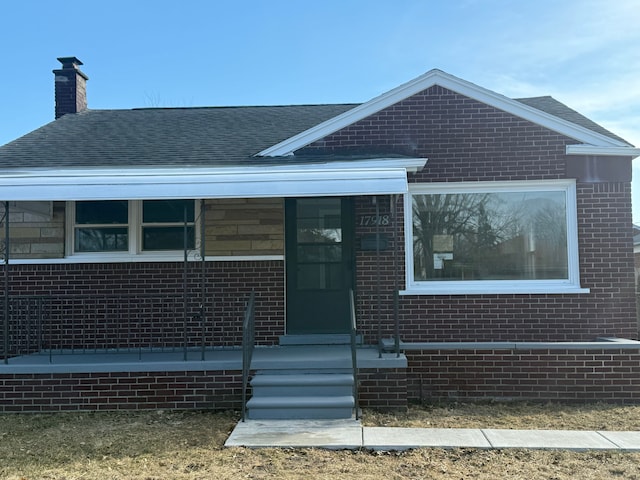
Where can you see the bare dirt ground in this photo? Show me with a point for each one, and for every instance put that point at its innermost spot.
(189, 445)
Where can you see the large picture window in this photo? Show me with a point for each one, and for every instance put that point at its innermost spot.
(515, 237)
(132, 227)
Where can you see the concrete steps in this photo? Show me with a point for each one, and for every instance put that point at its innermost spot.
(300, 394)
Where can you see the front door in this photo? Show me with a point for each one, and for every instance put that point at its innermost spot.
(319, 263)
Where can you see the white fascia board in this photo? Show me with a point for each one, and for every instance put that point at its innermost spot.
(603, 151)
(340, 179)
(427, 80)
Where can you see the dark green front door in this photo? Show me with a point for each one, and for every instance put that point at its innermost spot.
(320, 264)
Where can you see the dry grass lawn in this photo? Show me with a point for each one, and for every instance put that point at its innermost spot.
(189, 445)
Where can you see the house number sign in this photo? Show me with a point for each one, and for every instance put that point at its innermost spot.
(373, 220)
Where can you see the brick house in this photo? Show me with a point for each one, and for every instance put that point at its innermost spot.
(485, 241)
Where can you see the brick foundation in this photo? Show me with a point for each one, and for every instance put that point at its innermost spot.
(383, 389)
(217, 390)
(536, 375)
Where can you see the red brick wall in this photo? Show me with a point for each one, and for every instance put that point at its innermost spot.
(140, 305)
(465, 140)
(538, 375)
(383, 389)
(217, 390)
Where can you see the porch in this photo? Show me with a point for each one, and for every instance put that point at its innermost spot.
(148, 352)
(62, 381)
(210, 360)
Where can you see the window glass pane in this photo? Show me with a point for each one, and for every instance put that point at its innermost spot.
(167, 238)
(102, 212)
(109, 239)
(490, 236)
(167, 211)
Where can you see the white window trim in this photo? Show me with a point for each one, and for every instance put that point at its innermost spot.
(135, 251)
(470, 287)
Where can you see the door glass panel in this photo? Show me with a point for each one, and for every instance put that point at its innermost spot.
(319, 221)
(319, 244)
(320, 276)
(319, 253)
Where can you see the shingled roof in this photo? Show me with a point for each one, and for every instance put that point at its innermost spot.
(210, 136)
(162, 136)
(554, 107)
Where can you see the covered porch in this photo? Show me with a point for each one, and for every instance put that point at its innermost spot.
(117, 297)
(134, 330)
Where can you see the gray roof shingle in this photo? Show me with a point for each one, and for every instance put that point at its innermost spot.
(554, 107)
(208, 136)
(162, 136)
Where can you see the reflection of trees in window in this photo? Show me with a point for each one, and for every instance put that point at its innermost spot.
(497, 236)
(455, 215)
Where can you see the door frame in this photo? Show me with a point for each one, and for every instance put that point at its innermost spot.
(347, 205)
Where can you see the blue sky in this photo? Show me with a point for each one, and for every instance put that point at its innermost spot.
(144, 53)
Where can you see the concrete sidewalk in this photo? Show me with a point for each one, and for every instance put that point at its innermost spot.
(350, 434)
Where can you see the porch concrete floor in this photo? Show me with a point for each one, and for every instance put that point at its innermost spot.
(289, 357)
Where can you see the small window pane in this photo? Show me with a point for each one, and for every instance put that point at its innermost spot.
(167, 238)
(102, 239)
(167, 211)
(102, 212)
(490, 236)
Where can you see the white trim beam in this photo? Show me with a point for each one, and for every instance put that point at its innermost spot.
(330, 179)
(603, 151)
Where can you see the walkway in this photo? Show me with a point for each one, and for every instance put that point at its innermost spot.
(350, 434)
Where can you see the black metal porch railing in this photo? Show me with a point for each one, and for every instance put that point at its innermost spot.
(354, 351)
(248, 343)
(102, 324)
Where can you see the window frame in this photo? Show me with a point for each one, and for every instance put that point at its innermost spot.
(135, 226)
(99, 225)
(463, 287)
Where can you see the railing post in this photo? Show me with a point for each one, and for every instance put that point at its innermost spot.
(203, 271)
(184, 281)
(6, 282)
(354, 352)
(396, 287)
(248, 341)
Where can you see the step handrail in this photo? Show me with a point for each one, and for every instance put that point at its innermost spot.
(354, 353)
(248, 343)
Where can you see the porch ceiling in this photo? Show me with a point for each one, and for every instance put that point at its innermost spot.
(378, 176)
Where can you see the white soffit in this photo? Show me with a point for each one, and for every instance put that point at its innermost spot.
(332, 179)
(463, 87)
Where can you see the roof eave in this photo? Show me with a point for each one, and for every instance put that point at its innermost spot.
(369, 177)
(627, 151)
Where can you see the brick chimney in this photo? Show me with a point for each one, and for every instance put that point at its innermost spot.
(71, 87)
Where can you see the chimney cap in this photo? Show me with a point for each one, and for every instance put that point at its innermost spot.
(69, 62)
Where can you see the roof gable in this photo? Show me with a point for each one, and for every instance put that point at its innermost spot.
(437, 77)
